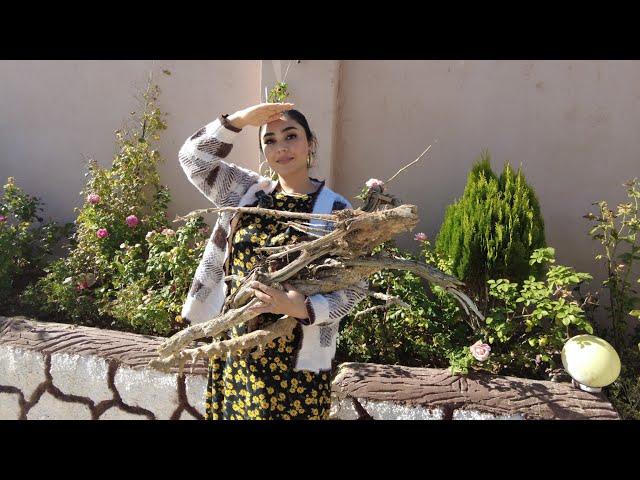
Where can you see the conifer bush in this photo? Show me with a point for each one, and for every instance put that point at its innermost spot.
(493, 229)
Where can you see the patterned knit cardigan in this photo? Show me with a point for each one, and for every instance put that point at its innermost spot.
(229, 185)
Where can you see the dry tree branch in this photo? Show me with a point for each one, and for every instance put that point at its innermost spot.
(337, 260)
(257, 211)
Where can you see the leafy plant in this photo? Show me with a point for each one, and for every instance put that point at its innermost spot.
(122, 204)
(531, 322)
(525, 329)
(279, 93)
(415, 336)
(153, 279)
(614, 231)
(26, 243)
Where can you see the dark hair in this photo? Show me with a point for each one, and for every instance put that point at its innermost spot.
(297, 117)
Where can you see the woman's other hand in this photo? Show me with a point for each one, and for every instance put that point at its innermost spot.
(288, 302)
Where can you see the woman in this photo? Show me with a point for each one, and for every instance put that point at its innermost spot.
(291, 377)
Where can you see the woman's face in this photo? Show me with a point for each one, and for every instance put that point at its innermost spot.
(285, 146)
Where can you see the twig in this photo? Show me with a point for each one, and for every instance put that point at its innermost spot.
(284, 79)
(407, 166)
(390, 299)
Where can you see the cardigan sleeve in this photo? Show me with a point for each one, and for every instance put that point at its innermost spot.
(201, 157)
(327, 308)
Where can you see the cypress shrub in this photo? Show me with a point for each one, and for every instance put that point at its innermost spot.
(493, 229)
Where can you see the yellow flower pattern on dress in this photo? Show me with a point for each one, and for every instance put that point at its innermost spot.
(265, 387)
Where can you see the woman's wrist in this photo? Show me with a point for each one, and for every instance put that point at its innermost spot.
(235, 121)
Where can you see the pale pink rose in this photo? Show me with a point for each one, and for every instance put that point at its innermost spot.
(102, 233)
(132, 221)
(3, 218)
(374, 182)
(420, 237)
(480, 351)
(81, 286)
(93, 198)
(168, 232)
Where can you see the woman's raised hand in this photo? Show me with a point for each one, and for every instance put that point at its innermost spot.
(260, 114)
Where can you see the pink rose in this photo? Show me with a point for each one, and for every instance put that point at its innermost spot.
(93, 198)
(102, 233)
(480, 351)
(3, 218)
(420, 237)
(132, 221)
(81, 286)
(374, 182)
(168, 232)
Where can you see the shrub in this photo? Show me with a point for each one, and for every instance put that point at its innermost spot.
(493, 229)
(26, 243)
(122, 204)
(617, 233)
(614, 231)
(525, 329)
(152, 280)
(417, 336)
(530, 322)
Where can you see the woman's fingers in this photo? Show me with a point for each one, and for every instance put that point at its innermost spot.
(261, 307)
(272, 292)
(262, 296)
(274, 118)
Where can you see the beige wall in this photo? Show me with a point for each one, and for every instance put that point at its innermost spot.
(572, 124)
(56, 114)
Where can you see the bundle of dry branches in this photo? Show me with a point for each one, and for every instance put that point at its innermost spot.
(321, 262)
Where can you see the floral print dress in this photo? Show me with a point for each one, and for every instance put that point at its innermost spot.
(266, 387)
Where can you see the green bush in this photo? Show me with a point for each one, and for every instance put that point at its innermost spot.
(418, 336)
(530, 322)
(153, 279)
(493, 229)
(26, 243)
(617, 233)
(125, 267)
(525, 329)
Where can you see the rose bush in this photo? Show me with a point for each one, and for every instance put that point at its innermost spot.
(123, 242)
(522, 335)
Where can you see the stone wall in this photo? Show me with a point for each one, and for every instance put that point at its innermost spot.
(60, 371)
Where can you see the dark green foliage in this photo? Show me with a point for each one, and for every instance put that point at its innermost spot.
(26, 243)
(493, 229)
